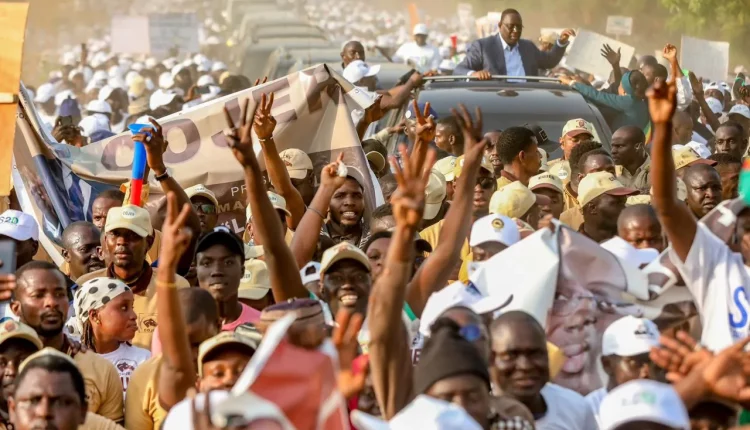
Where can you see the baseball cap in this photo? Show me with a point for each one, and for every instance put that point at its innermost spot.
(577, 126)
(11, 329)
(546, 180)
(429, 412)
(410, 114)
(375, 153)
(740, 109)
(598, 183)
(161, 98)
(643, 400)
(98, 106)
(310, 273)
(625, 251)
(446, 165)
(715, 105)
(105, 92)
(63, 95)
(435, 194)
(46, 352)
(687, 156)
(494, 228)
(201, 190)
(69, 107)
(18, 225)
(420, 29)
(44, 93)
(218, 67)
(459, 294)
(130, 217)
(297, 162)
(225, 338)
(278, 203)
(630, 336)
(255, 282)
(220, 235)
(343, 251)
(512, 200)
(358, 69)
(541, 136)
(486, 165)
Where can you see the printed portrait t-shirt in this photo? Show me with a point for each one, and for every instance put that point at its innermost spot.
(718, 279)
(126, 359)
(566, 410)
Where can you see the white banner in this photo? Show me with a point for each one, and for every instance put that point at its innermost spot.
(130, 35)
(585, 54)
(155, 34)
(706, 58)
(619, 25)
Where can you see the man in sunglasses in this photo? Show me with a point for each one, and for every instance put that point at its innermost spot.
(205, 205)
(625, 355)
(508, 54)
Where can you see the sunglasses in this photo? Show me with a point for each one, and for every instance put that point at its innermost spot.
(513, 27)
(486, 183)
(205, 208)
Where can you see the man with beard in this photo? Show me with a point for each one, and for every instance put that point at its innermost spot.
(80, 241)
(347, 209)
(602, 200)
(630, 156)
(41, 302)
(703, 185)
(520, 368)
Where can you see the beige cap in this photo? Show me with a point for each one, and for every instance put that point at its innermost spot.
(201, 190)
(224, 338)
(595, 184)
(512, 200)
(546, 180)
(253, 251)
(377, 160)
(46, 352)
(486, 165)
(686, 156)
(343, 251)
(544, 158)
(11, 329)
(297, 162)
(446, 166)
(435, 194)
(278, 203)
(577, 126)
(133, 218)
(255, 282)
(640, 199)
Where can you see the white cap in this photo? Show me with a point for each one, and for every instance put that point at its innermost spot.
(205, 80)
(625, 251)
(94, 122)
(494, 228)
(740, 110)
(310, 273)
(151, 62)
(177, 69)
(643, 400)
(105, 92)
(431, 413)
(166, 81)
(63, 95)
(420, 29)
(454, 295)
(715, 105)
(98, 106)
(44, 93)
(160, 98)
(18, 225)
(358, 69)
(218, 66)
(630, 336)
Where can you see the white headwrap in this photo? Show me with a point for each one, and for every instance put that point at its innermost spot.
(93, 294)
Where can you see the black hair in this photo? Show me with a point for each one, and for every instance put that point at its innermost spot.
(734, 124)
(388, 182)
(54, 364)
(112, 194)
(324, 243)
(723, 158)
(455, 129)
(697, 169)
(35, 265)
(512, 141)
(578, 151)
(639, 83)
(508, 12)
(512, 317)
(72, 227)
(639, 210)
(648, 60)
(382, 211)
(585, 157)
(197, 304)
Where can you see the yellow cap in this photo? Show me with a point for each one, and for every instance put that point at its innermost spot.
(201, 190)
(512, 200)
(133, 218)
(46, 352)
(11, 329)
(278, 203)
(577, 126)
(297, 162)
(686, 156)
(486, 165)
(255, 282)
(343, 251)
(546, 180)
(434, 194)
(595, 184)
(224, 338)
(446, 166)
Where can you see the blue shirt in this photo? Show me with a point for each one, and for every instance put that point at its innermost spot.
(513, 61)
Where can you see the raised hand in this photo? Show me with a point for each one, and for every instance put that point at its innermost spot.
(257, 81)
(612, 57)
(345, 339)
(669, 52)
(566, 35)
(263, 122)
(662, 101)
(240, 138)
(155, 144)
(425, 122)
(696, 85)
(726, 375)
(474, 142)
(175, 237)
(329, 174)
(408, 199)
(678, 356)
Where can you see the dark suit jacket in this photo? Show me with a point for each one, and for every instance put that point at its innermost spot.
(487, 54)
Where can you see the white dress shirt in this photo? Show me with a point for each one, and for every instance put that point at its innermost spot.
(423, 58)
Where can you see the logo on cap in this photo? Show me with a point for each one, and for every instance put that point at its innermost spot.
(9, 220)
(562, 174)
(643, 329)
(581, 123)
(9, 325)
(128, 213)
(543, 134)
(497, 224)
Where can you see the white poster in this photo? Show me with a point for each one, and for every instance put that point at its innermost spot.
(130, 35)
(585, 54)
(619, 25)
(170, 30)
(706, 58)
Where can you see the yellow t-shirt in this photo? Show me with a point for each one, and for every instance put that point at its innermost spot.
(503, 181)
(142, 408)
(432, 235)
(144, 305)
(561, 168)
(98, 422)
(103, 386)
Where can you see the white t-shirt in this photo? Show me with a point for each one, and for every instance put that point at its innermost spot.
(594, 400)
(718, 280)
(566, 410)
(125, 359)
(424, 58)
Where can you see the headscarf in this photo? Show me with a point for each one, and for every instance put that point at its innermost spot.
(625, 80)
(93, 294)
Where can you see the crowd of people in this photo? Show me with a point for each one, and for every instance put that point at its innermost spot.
(151, 323)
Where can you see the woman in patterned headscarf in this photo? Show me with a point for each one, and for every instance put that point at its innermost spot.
(106, 322)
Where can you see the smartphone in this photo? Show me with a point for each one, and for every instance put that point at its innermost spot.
(8, 256)
(203, 89)
(66, 120)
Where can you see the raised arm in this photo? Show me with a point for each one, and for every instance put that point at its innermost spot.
(398, 95)
(684, 90)
(156, 145)
(700, 97)
(177, 373)
(614, 101)
(283, 271)
(549, 60)
(306, 237)
(437, 268)
(264, 124)
(674, 216)
(390, 362)
(613, 58)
